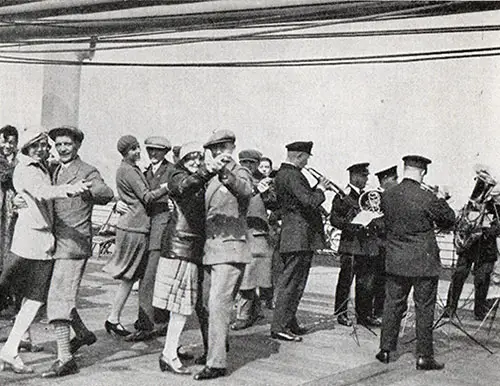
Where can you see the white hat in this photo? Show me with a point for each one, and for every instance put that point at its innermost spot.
(190, 147)
(29, 136)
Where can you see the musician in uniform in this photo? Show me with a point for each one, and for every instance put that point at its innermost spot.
(412, 258)
(387, 178)
(358, 249)
(301, 234)
(483, 254)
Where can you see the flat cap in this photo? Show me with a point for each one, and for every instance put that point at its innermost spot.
(386, 173)
(250, 155)
(157, 142)
(70, 131)
(220, 136)
(416, 161)
(359, 168)
(305, 147)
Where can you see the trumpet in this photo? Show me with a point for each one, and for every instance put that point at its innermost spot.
(435, 189)
(329, 184)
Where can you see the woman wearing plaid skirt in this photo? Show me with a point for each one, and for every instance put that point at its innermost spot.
(179, 276)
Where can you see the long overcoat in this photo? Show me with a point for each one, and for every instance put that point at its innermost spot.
(302, 223)
(411, 214)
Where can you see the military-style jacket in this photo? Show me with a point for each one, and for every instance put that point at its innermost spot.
(411, 214)
(354, 239)
(302, 223)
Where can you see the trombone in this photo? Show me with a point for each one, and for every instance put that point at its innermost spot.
(330, 184)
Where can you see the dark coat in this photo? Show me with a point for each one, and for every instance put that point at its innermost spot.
(410, 215)
(302, 224)
(73, 215)
(184, 236)
(158, 209)
(354, 239)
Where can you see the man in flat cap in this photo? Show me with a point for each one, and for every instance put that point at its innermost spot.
(157, 173)
(301, 234)
(73, 234)
(226, 251)
(412, 259)
(258, 273)
(358, 252)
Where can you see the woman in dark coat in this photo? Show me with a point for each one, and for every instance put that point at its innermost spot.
(132, 231)
(177, 279)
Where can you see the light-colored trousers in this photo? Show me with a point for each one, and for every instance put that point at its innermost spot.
(225, 280)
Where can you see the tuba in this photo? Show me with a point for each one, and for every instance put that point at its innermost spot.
(371, 201)
(471, 216)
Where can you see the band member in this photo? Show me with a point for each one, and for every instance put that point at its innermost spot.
(257, 274)
(157, 173)
(412, 259)
(482, 253)
(33, 241)
(301, 234)
(358, 252)
(73, 232)
(226, 250)
(387, 178)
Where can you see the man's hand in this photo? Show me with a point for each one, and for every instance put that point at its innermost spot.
(78, 188)
(122, 207)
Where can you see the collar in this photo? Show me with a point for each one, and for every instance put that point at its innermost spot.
(408, 178)
(355, 188)
(155, 167)
(67, 164)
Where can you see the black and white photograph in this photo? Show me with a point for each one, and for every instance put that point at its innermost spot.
(249, 192)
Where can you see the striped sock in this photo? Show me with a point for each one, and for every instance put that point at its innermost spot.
(62, 336)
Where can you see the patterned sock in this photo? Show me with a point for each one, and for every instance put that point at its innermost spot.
(62, 336)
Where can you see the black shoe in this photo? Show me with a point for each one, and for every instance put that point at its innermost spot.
(428, 363)
(479, 317)
(165, 366)
(116, 329)
(60, 369)
(139, 336)
(210, 373)
(28, 345)
(383, 356)
(344, 320)
(370, 321)
(77, 342)
(287, 336)
(297, 330)
(201, 360)
(185, 356)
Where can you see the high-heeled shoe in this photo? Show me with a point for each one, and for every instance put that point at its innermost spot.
(166, 366)
(116, 329)
(15, 364)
